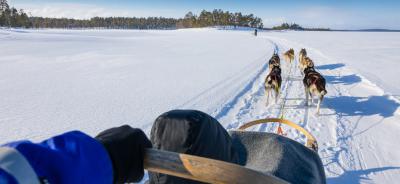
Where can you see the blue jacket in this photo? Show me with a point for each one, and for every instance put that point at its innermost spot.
(73, 157)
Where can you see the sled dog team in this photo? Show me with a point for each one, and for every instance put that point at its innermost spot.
(314, 83)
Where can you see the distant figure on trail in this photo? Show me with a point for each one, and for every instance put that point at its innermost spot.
(255, 32)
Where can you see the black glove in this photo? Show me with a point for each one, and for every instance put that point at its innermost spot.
(125, 146)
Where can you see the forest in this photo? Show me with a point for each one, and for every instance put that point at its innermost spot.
(12, 17)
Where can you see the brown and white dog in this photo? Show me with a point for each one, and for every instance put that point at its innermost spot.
(302, 56)
(314, 84)
(302, 53)
(305, 63)
(273, 82)
(274, 61)
(289, 55)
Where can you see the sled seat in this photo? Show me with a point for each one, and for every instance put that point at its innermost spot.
(278, 155)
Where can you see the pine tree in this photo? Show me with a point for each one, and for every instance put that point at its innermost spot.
(4, 13)
(3, 5)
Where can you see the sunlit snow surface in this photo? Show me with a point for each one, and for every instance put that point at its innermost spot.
(52, 81)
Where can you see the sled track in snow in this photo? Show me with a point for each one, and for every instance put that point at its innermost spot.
(260, 74)
(245, 90)
(223, 83)
(341, 156)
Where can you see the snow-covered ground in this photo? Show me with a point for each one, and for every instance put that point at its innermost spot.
(53, 81)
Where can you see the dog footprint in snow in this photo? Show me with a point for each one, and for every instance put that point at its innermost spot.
(315, 129)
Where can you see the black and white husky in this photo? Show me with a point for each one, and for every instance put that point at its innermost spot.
(314, 84)
(274, 61)
(273, 82)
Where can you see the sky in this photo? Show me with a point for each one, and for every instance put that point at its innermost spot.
(334, 14)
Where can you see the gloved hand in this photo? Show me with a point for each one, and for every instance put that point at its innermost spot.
(125, 146)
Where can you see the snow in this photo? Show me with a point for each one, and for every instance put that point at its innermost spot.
(55, 80)
(52, 81)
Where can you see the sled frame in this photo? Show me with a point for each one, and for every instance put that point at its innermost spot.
(310, 143)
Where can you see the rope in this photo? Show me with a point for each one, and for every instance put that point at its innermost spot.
(282, 109)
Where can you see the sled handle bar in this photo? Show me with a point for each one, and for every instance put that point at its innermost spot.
(203, 169)
(311, 141)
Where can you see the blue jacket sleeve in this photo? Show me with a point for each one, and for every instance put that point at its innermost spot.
(73, 157)
(7, 178)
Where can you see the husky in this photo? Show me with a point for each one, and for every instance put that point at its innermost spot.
(302, 56)
(274, 61)
(305, 63)
(273, 82)
(314, 84)
(302, 53)
(289, 55)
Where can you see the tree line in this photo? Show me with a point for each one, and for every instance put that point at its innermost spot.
(219, 18)
(284, 26)
(107, 23)
(11, 17)
(294, 26)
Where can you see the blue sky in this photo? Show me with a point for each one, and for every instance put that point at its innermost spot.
(339, 14)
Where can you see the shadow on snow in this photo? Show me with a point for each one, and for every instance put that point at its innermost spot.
(363, 106)
(346, 79)
(357, 176)
(329, 66)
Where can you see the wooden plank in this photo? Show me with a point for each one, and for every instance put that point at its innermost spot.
(203, 169)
